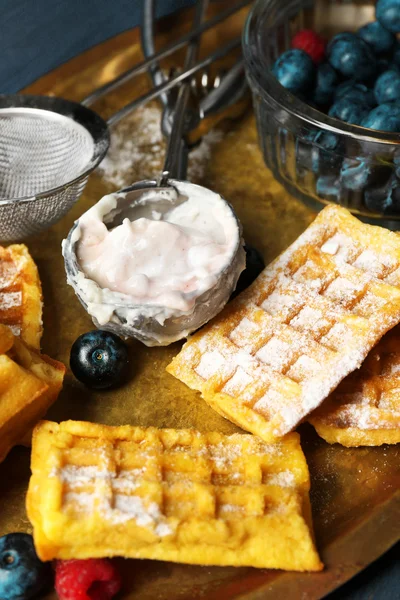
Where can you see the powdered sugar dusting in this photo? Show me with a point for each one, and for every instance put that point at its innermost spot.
(10, 300)
(137, 150)
(283, 479)
(209, 364)
(118, 507)
(313, 333)
(370, 398)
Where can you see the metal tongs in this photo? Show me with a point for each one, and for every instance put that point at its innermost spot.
(225, 92)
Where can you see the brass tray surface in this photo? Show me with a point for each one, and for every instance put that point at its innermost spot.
(355, 492)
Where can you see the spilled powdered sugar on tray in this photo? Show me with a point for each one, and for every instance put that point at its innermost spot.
(137, 150)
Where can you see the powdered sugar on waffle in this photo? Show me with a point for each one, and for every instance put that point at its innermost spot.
(10, 300)
(294, 352)
(283, 479)
(121, 507)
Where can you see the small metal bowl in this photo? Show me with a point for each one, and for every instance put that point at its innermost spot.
(360, 167)
(136, 321)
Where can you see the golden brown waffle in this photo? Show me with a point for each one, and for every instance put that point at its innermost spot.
(365, 409)
(20, 294)
(175, 495)
(29, 384)
(276, 352)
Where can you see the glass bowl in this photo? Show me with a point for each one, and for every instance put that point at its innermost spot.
(318, 158)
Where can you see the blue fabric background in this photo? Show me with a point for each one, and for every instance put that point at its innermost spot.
(37, 36)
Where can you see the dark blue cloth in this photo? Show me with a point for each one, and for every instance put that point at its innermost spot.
(37, 36)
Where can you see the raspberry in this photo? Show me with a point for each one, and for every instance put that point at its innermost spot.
(92, 579)
(311, 43)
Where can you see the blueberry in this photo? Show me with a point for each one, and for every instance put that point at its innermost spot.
(354, 174)
(319, 152)
(387, 87)
(385, 117)
(254, 266)
(385, 64)
(295, 70)
(384, 198)
(349, 111)
(388, 13)
(326, 82)
(396, 54)
(357, 92)
(22, 574)
(396, 163)
(357, 173)
(99, 359)
(328, 187)
(352, 57)
(392, 66)
(378, 37)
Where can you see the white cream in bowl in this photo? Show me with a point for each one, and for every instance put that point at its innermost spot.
(163, 270)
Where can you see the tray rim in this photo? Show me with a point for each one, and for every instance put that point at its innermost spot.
(333, 576)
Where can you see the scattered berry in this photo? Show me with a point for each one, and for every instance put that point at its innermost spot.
(325, 84)
(378, 37)
(254, 265)
(388, 14)
(349, 111)
(92, 579)
(22, 574)
(99, 359)
(352, 57)
(385, 117)
(295, 71)
(387, 87)
(310, 42)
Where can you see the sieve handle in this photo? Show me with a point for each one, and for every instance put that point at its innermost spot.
(148, 47)
(155, 92)
(176, 157)
(143, 66)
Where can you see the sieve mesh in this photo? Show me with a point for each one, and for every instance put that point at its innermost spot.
(40, 150)
(21, 219)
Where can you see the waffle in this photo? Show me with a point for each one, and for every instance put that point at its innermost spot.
(365, 409)
(20, 294)
(29, 384)
(276, 352)
(175, 495)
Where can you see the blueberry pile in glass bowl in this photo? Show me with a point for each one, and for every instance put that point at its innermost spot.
(325, 78)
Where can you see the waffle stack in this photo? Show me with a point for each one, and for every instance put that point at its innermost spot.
(177, 495)
(309, 320)
(29, 382)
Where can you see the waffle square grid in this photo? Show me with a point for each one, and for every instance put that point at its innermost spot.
(170, 494)
(276, 352)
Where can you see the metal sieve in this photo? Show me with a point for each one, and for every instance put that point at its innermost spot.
(49, 146)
